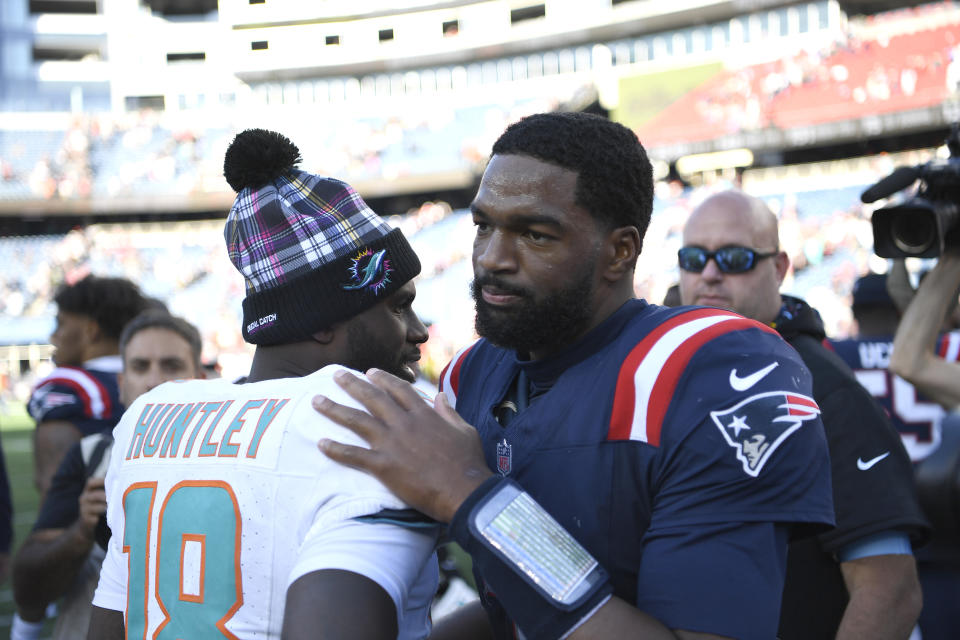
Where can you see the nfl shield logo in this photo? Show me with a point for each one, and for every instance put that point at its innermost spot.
(504, 457)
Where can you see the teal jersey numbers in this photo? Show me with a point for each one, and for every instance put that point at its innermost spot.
(196, 550)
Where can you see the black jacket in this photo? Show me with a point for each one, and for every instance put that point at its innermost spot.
(872, 492)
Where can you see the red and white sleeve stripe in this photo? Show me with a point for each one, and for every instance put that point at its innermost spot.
(95, 398)
(450, 376)
(950, 346)
(650, 373)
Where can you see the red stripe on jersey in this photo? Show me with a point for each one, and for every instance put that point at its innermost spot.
(624, 397)
(105, 395)
(947, 348)
(456, 363)
(80, 391)
(84, 392)
(443, 376)
(101, 391)
(801, 405)
(666, 382)
(624, 400)
(804, 400)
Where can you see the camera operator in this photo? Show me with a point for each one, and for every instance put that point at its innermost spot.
(914, 358)
(926, 224)
(935, 373)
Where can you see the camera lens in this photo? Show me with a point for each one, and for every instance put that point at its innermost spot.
(913, 233)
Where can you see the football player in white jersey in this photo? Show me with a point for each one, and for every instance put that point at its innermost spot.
(226, 519)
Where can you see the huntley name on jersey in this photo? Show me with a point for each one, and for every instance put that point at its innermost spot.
(230, 429)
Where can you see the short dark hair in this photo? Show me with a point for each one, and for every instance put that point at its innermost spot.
(615, 178)
(110, 302)
(672, 297)
(870, 290)
(161, 319)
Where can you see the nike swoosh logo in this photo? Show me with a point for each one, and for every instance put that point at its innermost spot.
(744, 383)
(863, 466)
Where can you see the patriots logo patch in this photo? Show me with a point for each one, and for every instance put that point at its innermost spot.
(755, 427)
(44, 400)
(369, 270)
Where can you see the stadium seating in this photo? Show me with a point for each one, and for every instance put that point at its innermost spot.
(852, 79)
(185, 265)
(147, 154)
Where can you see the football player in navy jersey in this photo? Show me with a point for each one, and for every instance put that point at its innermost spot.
(60, 559)
(614, 468)
(858, 580)
(80, 397)
(915, 416)
(918, 419)
(930, 362)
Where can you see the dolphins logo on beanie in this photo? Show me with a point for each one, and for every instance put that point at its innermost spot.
(311, 252)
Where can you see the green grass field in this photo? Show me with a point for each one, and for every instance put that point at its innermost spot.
(16, 429)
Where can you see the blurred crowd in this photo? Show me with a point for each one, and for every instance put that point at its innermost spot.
(823, 226)
(149, 153)
(107, 156)
(894, 61)
(826, 233)
(907, 59)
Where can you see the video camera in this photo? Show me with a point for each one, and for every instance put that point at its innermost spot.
(922, 225)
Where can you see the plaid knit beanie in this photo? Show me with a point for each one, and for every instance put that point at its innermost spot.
(310, 249)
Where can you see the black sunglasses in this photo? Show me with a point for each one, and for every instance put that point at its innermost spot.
(729, 259)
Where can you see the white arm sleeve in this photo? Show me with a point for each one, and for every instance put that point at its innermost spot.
(112, 588)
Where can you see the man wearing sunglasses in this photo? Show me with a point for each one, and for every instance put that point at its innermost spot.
(859, 579)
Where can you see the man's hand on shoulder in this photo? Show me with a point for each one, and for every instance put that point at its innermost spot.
(429, 456)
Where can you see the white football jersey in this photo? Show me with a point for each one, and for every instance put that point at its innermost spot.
(218, 499)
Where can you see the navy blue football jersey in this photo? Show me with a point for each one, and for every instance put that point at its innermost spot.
(87, 398)
(671, 436)
(915, 416)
